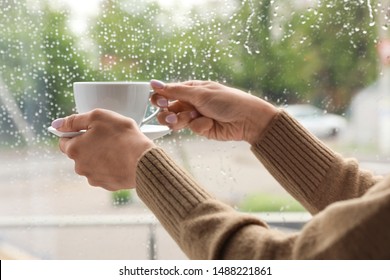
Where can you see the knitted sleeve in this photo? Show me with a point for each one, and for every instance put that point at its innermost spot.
(199, 224)
(306, 168)
(205, 228)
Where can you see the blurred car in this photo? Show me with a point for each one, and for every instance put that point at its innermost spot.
(318, 122)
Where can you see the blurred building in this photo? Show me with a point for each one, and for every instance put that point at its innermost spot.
(370, 109)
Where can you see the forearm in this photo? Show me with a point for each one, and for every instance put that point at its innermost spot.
(198, 223)
(353, 229)
(310, 171)
(205, 228)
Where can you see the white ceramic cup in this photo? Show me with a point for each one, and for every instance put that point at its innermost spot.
(130, 99)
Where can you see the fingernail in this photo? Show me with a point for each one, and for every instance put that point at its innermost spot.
(194, 114)
(57, 123)
(162, 102)
(157, 84)
(171, 119)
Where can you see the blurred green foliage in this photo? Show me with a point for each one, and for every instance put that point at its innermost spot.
(270, 48)
(121, 197)
(264, 202)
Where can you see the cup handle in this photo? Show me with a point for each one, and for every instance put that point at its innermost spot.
(149, 118)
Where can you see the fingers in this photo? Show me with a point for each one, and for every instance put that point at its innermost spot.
(182, 112)
(202, 126)
(63, 143)
(74, 122)
(176, 115)
(177, 121)
(178, 91)
(175, 106)
(71, 123)
(159, 101)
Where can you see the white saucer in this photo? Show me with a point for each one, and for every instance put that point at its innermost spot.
(151, 131)
(155, 131)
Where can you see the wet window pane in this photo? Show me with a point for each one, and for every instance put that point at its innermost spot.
(326, 62)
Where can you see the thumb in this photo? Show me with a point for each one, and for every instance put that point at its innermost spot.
(177, 91)
(74, 122)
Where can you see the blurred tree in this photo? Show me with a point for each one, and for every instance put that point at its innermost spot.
(140, 41)
(17, 44)
(40, 61)
(18, 56)
(128, 39)
(259, 60)
(271, 48)
(64, 63)
(323, 54)
(336, 46)
(200, 46)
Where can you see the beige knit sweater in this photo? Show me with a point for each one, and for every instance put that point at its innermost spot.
(350, 207)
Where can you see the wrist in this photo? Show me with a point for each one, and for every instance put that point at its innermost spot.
(131, 146)
(143, 147)
(260, 116)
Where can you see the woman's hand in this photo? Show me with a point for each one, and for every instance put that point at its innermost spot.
(108, 152)
(212, 110)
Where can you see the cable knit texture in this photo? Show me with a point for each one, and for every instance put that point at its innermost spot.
(350, 207)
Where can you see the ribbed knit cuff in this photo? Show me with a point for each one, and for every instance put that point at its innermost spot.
(297, 159)
(168, 191)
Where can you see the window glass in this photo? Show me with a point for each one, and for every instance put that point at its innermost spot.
(326, 62)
